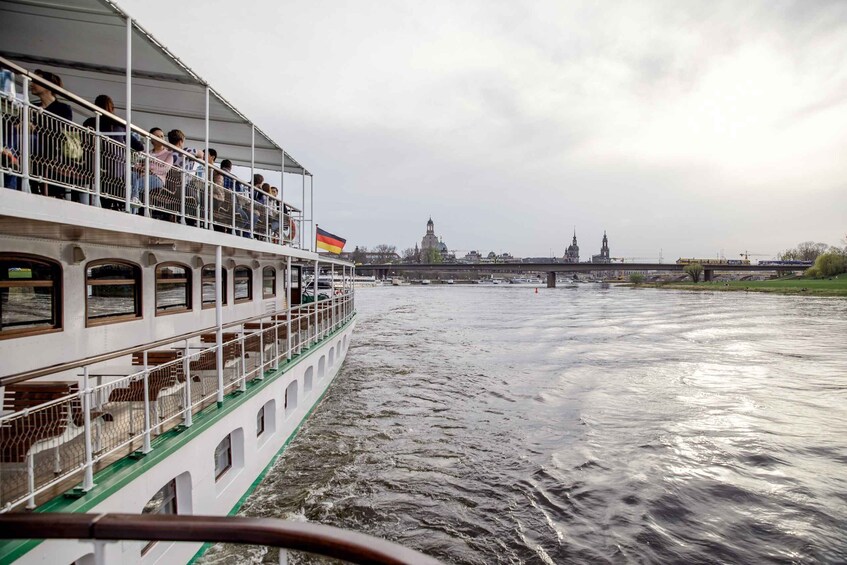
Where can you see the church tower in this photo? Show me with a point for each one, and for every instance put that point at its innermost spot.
(572, 252)
(429, 241)
(604, 249)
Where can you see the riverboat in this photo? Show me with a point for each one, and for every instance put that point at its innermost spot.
(159, 347)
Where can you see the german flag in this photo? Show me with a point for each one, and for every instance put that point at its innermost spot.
(332, 243)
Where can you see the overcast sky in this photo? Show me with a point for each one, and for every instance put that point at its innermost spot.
(691, 127)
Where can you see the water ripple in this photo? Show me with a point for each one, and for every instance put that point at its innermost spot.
(580, 425)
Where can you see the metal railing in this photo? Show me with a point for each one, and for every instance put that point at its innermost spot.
(327, 541)
(47, 154)
(118, 403)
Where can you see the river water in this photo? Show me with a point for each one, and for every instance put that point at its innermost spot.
(493, 424)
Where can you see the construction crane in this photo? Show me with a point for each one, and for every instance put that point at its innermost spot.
(747, 255)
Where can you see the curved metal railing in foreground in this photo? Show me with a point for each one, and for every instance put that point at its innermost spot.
(326, 541)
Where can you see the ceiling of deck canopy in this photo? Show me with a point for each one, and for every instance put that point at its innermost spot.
(84, 41)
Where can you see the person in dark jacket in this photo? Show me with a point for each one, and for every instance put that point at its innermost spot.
(48, 134)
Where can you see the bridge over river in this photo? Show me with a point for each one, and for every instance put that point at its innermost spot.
(387, 270)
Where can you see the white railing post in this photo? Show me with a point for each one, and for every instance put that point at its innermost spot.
(234, 202)
(147, 176)
(243, 386)
(288, 304)
(97, 160)
(182, 176)
(186, 372)
(219, 352)
(315, 304)
(88, 479)
(261, 348)
(276, 342)
(146, 448)
(128, 144)
(25, 138)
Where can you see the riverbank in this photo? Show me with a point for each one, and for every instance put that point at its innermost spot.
(834, 286)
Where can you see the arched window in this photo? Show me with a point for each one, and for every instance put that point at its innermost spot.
(243, 284)
(207, 277)
(112, 292)
(30, 295)
(173, 288)
(268, 282)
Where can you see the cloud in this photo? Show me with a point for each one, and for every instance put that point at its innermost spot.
(673, 125)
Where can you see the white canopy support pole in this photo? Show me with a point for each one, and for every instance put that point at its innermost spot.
(303, 207)
(128, 149)
(98, 161)
(252, 174)
(315, 304)
(219, 353)
(288, 304)
(208, 215)
(312, 213)
(26, 138)
(282, 201)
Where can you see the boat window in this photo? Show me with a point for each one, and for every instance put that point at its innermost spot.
(268, 282)
(173, 288)
(223, 457)
(243, 283)
(163, 502)
(112, 292)
(260, 421)
(30, 295)
(207, 277)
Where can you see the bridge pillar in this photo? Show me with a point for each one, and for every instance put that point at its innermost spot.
(551, 280)
(707, 275)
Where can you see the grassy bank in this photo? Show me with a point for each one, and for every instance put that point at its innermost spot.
(835, 286)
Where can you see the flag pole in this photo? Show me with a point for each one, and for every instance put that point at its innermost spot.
(316, 238)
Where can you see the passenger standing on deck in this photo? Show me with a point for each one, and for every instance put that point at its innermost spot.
(48, 134)
(112, 157)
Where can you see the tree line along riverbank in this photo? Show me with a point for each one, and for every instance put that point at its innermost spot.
(831, 286)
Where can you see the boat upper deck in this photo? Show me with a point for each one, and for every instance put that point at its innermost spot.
(190, 157)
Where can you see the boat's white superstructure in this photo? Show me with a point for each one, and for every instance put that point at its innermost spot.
(159, 345)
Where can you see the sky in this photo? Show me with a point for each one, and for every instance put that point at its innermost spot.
(690, 129)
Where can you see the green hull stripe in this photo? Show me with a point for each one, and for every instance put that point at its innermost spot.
(120, 473)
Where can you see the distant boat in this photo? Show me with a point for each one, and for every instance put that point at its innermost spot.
(425, 281)
(449, 281)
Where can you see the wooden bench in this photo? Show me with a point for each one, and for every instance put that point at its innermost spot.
(21, 436)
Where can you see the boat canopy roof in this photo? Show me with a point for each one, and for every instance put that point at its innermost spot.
(87, 48)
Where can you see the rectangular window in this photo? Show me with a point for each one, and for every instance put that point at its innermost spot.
(223, 457)
(260, 421)
(268, 282)
(173, 288)
(243, 284)
(163, 502)
(113, 292)
(207, 286)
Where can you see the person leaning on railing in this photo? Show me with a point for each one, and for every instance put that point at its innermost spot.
(50, 141)
(161, 160)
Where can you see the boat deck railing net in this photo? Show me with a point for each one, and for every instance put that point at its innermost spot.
(47, 154)
(351, 547)
(68, 421)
